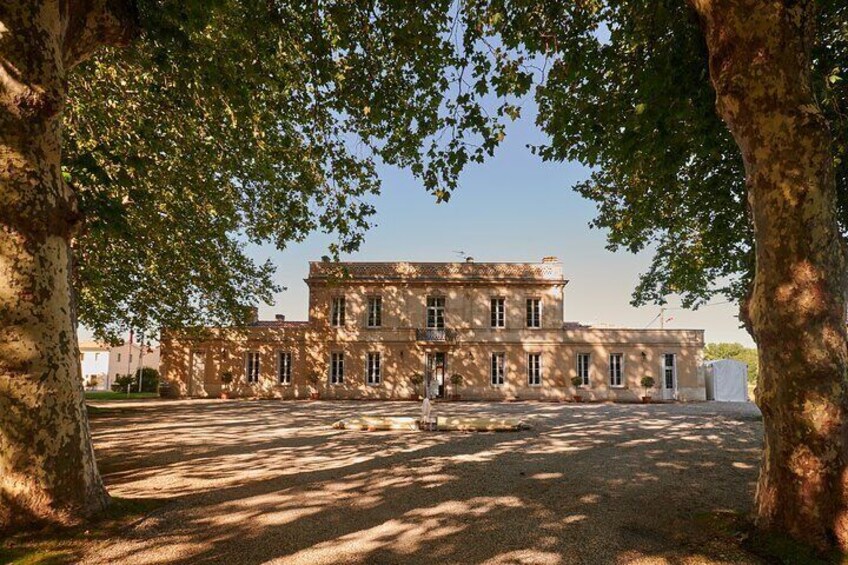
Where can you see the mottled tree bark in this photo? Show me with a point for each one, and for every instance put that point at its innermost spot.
(761, 70)
(47, 467)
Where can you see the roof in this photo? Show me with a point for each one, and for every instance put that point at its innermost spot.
(548, 270)
(277, 324)
(93, 346)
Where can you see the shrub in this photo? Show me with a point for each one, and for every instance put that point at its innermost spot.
(647, 382)
(227, 377)
(577, 381)
(456, 380)
(149, 381)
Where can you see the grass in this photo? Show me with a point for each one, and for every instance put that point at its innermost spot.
(109, 395)
(61, 546)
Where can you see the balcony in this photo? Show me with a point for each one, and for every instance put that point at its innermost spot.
(435, 335)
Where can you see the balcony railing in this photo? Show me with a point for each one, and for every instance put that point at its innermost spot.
(435, 335)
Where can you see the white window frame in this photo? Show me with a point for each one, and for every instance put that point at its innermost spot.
(534, 369)
(375, 312)
(436, 306)
(373, 368)
(497, 312)
(252, 366)
(338, 311)
(533, 312)
(620, 365)
(337, 368)
(673, 368)
(584, 365)
(284, 367)
(497, 369)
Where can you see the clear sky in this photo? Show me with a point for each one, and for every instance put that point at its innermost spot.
(512, 208)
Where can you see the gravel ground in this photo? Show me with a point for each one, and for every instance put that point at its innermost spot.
(270, 481)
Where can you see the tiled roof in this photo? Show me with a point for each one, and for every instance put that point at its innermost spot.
(277, 324)
(548, 270)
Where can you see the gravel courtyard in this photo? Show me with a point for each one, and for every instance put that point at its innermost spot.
(271, 481)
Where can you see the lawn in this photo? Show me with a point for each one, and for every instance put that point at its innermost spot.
(271, 481)
(109, 395)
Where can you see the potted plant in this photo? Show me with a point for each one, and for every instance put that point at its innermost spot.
(456, 384)
(314, 378)
(226, 379)
(577, 382)
(416, 380)
(647, 383)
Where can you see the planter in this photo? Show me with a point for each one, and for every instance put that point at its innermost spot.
(225, 395)
(314, 395)
(578, 398)
(455, 396)
(646, 400)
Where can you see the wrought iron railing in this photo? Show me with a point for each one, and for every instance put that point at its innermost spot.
(435, 334)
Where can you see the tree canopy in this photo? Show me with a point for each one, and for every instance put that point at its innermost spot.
(737, 352)
(231, 123)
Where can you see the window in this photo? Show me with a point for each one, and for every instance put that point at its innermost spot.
(375, 312)
(119, 357)
(130, 357)
(336, 368)
(534, 369)
(338, 313)
(436, 312)
(534, 313)
(498, 368)
(669, 369)
(615, 369)
(498, 312)
(583, 368)
(284, 367)
(372, 376)
(251, 366)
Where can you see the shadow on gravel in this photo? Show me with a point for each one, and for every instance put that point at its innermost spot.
(258, 481)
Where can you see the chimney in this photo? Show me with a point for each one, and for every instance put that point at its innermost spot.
(280, 317)
(550, 259)
(469, 259)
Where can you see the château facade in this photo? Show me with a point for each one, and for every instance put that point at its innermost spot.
(373, 327)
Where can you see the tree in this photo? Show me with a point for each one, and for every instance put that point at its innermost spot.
(201, 126)
(710, 127)
(738, 352)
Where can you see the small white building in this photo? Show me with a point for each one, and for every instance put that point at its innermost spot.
(126, 359)
(94, 359)
(726, 380)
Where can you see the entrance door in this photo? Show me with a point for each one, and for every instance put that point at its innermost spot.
(669, 376)
(436, 369)
(197, 378)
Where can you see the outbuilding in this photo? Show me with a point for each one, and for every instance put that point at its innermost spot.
(726, 380)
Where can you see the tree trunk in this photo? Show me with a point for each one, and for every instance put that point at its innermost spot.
(761, 70)
(47, 467)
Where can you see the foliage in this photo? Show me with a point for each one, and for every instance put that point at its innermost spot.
(738, 352)
(227, 377)
(456, 380)
(149, 381)
(235, 123)
(625, 90)
(577, 381)
(647, 382)
(314, 378)
(416, 380)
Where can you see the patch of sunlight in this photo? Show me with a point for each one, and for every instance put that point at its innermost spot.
(546, 476)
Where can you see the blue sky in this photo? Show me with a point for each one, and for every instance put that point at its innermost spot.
(512, 208)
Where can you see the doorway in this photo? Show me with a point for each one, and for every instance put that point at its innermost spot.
(197, 380)
(669, 376)
(436, 369)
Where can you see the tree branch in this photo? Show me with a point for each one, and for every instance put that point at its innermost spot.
(92, 24)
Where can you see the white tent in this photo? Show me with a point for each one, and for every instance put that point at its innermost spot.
(727, 380)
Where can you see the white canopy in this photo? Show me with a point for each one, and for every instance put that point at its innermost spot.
(727, 380)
